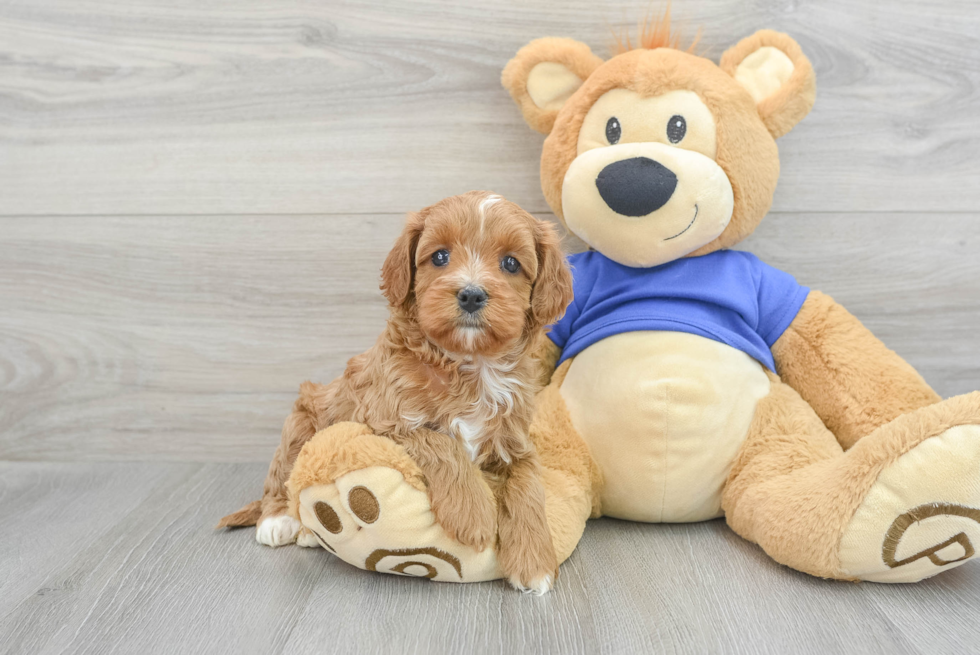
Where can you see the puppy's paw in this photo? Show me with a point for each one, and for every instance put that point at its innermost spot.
(529, 570)
(538, 586)
(277, 530)
(528, 560)
(468, 517)
(306, 539)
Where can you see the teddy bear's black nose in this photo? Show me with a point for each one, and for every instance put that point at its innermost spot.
(637, 186)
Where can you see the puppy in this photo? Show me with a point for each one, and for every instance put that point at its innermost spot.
(471, 282)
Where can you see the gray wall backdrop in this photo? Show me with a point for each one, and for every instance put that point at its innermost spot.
(196, 197)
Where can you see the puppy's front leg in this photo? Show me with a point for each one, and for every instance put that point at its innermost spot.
(526, 553)
(461, 500)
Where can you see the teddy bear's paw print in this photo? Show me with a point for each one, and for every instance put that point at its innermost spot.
(372, 518)
(958, 548)
(922, 515)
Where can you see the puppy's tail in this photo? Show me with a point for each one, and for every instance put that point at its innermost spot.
(248, 515)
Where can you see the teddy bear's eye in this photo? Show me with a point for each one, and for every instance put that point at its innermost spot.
(676, 128)
(613, 131)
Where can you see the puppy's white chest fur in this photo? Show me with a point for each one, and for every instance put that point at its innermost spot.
(469, 430)
(496, 388)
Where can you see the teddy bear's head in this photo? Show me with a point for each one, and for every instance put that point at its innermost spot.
(657, 153)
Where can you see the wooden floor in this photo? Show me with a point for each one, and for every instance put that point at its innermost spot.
(121, 558)
(195, 199)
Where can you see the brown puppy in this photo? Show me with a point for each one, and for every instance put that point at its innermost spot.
(471, 282)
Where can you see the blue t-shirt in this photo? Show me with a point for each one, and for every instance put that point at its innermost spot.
(729, 296)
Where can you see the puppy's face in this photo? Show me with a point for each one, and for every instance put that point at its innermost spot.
(480, 271)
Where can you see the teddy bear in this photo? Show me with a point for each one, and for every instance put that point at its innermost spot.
(687, 380)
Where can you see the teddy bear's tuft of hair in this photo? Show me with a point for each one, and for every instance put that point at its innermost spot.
(653, 32)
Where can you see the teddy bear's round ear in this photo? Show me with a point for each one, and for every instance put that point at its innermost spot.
(773, 69)
(544, 74)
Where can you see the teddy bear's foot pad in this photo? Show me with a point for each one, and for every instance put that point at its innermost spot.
(372, 518)
(922, 515)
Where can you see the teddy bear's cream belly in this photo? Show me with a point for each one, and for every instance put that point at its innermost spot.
(664, 414)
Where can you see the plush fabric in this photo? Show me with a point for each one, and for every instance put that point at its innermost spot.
(791, 101)
(698, 209)
(564, 60)
(796, 493)
(851, 379)
(647, 403)
(839, 461)
(745, 150)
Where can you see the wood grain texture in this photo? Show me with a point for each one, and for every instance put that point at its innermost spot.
(151, 576)
(195, 199)
(245, 106)
(186, 338)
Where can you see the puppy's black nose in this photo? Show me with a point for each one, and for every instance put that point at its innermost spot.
(637, 186)
(472, 299)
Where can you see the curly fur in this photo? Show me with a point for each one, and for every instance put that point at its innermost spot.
(454, 390)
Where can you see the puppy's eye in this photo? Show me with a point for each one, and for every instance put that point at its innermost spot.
(440, 257)
(613, 131)
(510, 264)
(676, 128)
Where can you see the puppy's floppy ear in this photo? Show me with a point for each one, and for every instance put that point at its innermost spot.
(398, 271)
(552, 290)
(773, 69)
(544, 74)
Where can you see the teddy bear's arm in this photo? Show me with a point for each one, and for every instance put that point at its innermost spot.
(850, 378)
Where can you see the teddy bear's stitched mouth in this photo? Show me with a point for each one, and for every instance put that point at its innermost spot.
(688, 225)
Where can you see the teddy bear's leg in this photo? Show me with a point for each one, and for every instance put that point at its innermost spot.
(785, 436)
(364, 499)
(901, 505)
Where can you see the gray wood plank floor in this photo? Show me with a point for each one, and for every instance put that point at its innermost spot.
(195, 199)
(122, 558)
